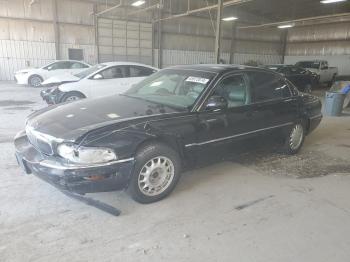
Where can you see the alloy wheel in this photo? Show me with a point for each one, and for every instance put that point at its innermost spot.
(156, 176)
(296, 136)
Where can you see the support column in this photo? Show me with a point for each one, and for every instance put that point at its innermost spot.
(284, 45)
(96, 34)
(218, 31)
(56, 29)
(160, 48)
(233, 43)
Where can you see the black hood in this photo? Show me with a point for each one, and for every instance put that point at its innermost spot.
(72, 120)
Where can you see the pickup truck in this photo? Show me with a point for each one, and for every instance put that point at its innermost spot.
(325, 74)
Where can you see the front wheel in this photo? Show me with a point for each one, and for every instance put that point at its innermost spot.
(294, 139)
(35, 81)
(71, 96)
(156, 173)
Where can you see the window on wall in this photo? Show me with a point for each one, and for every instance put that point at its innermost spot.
(75, 54)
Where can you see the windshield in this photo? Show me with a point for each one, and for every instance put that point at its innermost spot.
(89, 71)
(171, 87)
(308, 64)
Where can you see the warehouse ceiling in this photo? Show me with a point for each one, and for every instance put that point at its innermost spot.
(249, 12)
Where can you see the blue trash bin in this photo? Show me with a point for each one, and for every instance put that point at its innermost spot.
(333, 105)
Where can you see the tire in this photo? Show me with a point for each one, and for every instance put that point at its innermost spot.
(157, 168)
(71, 96)
(35, 81)
(294, 139)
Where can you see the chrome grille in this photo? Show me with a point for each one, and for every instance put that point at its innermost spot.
(39, 141)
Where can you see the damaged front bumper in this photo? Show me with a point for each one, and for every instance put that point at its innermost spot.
(51, 95)
(69, 177)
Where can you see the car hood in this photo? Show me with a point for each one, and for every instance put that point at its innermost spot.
(72, 120)
(60, 79)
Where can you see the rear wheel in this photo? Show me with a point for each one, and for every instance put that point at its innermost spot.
(72, 96)
(35, 81)
(294, 139)
(156, 173)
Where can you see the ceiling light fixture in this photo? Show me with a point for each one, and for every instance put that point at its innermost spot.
(231, 18)
(285, 26)
(138, 3)
(331, 1)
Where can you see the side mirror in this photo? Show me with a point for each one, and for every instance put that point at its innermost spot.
(49, 68)
(97, 77)
(216, 103)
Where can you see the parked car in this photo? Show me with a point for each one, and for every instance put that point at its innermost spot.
(325, 74)
(303, 79)
(35, 76)
(100, 80)
(141, 140)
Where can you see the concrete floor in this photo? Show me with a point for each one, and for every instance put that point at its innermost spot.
(257, 207)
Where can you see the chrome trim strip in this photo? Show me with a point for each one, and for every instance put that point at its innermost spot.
(56, 165)
(238, 135)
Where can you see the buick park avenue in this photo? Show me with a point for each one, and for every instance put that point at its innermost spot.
(141, 140)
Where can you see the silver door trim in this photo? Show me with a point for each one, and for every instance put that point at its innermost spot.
(238, 135)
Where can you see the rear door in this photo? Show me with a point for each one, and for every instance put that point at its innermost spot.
(273, 106)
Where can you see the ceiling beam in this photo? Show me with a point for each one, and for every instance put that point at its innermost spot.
(301, 21)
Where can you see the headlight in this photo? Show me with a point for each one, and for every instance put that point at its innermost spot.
(86, 155)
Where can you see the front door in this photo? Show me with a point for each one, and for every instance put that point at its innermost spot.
(220, 127)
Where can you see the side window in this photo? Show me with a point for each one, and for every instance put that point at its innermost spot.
(140, 71)
(114, 72)
(267, 86)
(77, 65)
(234, 90)
(58, 65)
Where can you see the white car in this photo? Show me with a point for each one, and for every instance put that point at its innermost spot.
(35, 76)
(100, 80)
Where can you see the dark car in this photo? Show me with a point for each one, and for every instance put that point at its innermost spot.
(143, 139)
(303, 79)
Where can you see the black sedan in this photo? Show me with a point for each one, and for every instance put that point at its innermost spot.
(142, 140)
(303, 79)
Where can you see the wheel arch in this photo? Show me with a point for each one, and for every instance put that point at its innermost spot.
(71, 93)
(168, 140)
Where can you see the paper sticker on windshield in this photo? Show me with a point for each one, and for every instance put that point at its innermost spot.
(197, 80)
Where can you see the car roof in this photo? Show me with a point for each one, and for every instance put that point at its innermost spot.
(125, 63)
(216, 68)
(67, 60)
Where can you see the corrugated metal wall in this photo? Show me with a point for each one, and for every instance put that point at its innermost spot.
(27, 38)
(124, 41)
(182, 57)
(191, 40)
(325, 41)
(27, 33)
